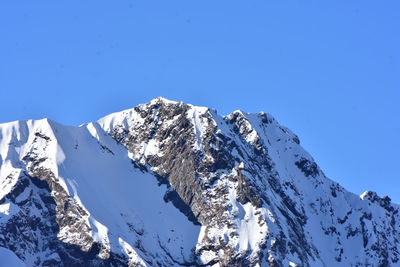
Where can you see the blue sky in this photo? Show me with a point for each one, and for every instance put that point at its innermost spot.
(329, 70)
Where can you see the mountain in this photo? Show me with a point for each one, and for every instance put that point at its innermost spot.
(172, 184)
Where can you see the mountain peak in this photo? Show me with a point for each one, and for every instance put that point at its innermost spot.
(163, 100)
(171, 184)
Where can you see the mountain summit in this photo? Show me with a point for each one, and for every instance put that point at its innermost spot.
(172, 184)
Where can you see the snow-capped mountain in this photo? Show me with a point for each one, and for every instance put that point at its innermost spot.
(171, 184)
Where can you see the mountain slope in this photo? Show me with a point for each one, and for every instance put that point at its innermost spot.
(171, 184)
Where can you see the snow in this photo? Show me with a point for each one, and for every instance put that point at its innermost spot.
(126, 206)
(162, 99)
(5, 208)
(194, 114)
(107, 186)
(151, 148)
(99, 232)
(60, 156)
(123, 118)
(113, 192)
(9, 259)
(251, 233)
(128, 250)
(363, 195)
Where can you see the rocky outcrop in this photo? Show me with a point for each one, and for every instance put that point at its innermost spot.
(33, 231)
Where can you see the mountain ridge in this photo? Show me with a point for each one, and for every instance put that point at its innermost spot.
(234, 190)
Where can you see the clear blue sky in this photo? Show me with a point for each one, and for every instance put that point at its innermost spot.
(329, 70)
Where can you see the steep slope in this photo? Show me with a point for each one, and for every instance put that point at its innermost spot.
(8, 258)
(171, 184)
(72, 195)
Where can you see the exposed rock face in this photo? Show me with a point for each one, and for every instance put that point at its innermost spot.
(203, 190)
(35, 230)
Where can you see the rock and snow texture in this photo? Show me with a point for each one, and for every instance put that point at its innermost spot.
(171, 184)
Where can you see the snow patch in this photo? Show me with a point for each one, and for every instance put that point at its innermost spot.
(5, 208)
(100, 234)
